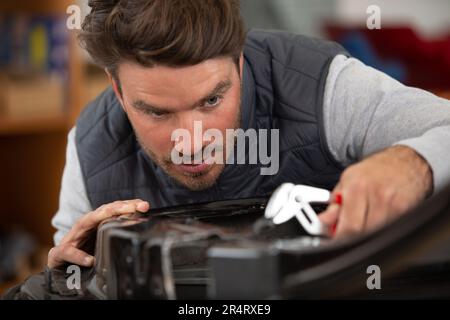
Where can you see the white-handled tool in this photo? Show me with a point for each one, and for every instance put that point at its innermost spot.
(290, 200)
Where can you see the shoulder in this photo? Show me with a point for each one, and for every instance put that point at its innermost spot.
(104, 133)
(292, 50)
(103, 109)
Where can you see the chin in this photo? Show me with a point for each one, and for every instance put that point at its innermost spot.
(197, 182)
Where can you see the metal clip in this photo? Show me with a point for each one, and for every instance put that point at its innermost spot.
(290, 200)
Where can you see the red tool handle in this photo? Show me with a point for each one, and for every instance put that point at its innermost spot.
(338, 200)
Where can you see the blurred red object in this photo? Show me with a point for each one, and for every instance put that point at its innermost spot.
(427, 62)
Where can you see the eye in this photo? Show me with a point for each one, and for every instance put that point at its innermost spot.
(213, 101)
(155, 114)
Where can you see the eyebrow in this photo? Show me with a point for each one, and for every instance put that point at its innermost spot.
(222, 87)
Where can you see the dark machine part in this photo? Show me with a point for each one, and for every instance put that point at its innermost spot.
(166, 254)
(227, 250)
(413, 253)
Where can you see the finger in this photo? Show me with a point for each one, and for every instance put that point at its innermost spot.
(353, 212)
(330, 216)
(377, 214)
(329, 219)
(142, 206)
(91, 220)
(60, 255)
(118, 208)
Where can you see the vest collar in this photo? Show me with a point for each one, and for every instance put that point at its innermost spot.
(247, 97)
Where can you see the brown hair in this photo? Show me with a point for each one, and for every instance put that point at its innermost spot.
(167, 32)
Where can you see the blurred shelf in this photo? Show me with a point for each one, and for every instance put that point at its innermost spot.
(33, 137)
(73, 95)
(7, 285)
(40, 105)
(41, 6)
(33, 125)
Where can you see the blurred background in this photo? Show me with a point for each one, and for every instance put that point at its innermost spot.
(46, 80)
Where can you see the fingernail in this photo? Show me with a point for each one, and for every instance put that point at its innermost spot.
(88, 261)
(121, 205)
(142, 206)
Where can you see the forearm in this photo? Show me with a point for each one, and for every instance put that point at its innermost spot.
(402, 155)
(434, 147)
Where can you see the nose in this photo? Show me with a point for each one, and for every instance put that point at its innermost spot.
(191, 142)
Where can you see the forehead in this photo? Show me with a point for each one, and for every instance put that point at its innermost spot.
(171, 86)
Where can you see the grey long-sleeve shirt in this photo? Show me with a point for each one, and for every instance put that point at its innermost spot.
(364, 111)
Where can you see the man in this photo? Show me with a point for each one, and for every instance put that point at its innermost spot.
(174, 63)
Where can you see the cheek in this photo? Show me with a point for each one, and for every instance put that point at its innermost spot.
(155, 137)
(225, 116)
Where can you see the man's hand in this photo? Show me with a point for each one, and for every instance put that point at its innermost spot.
(378, 190)
(69, 248)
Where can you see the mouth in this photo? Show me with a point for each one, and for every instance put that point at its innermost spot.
(193, 168)
(197, 169)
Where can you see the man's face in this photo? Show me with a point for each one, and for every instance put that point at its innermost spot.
(161, 99)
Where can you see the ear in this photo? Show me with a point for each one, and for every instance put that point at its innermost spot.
(116, 89)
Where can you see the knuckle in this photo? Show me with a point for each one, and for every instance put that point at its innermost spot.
(106, 211)
(388, 195)
(64, 248)
(109, 209)
(361, 184)
(109, 206)
(350, 229)
(357, 187)
(399, 206)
